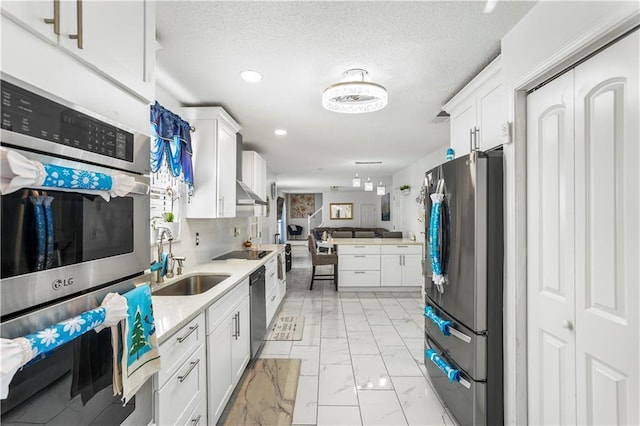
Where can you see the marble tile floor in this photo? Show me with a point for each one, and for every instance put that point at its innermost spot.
(361, 355)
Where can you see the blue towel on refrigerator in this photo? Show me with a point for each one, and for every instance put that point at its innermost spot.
(135, 344)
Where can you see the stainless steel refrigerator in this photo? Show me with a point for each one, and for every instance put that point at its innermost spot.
(463, 285)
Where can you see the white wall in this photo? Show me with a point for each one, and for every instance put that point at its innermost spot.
(358, 198)
(546, 40)
(411, 213)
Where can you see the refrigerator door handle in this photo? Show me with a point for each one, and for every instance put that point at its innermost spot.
(459, 335)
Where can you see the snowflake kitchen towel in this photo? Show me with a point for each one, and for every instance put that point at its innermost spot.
(135, 345)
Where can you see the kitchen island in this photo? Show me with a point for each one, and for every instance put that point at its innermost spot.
(378, 264)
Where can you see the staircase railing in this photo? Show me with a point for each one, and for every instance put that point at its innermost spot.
(314, 220)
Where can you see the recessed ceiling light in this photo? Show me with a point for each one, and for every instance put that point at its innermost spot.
(251, 76)
(280, 132)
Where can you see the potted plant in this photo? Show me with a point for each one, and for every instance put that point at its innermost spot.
(169, 222)
(405, 189)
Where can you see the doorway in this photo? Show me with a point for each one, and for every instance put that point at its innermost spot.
(367, 216)
(583, 326)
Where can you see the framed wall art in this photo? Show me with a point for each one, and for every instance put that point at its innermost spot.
(340, 211)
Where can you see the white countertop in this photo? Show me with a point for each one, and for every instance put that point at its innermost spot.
(372, 241)
(174, 312)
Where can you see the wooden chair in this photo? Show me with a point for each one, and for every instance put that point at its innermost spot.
(318, 259)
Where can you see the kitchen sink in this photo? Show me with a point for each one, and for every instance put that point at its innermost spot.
(193, 285)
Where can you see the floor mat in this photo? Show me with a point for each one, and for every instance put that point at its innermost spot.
(266, 394)
(286, 327)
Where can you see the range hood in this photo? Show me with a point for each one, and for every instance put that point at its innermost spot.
(244, 195)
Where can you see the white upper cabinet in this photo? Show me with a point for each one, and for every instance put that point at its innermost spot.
(32, 15)
(478, 112)
(115, 39)
(254, 174)
(214, 162)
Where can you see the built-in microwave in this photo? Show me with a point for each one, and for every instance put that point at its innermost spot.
(88, 242)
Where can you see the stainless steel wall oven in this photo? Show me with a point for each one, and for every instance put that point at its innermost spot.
(88, 247)
(90, 242)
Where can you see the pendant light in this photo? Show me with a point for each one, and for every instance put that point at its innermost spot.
(380, 190)
(356, 182)
(368, 185)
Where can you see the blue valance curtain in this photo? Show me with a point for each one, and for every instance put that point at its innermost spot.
(171, 143)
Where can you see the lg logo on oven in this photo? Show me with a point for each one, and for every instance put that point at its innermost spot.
(58, 284)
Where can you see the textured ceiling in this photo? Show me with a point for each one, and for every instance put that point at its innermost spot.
(422, 52)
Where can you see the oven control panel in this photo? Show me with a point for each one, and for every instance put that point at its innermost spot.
(30, 114)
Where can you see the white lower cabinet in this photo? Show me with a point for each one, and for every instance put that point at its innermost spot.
(228, 346)
(181, 386)
(401, 265)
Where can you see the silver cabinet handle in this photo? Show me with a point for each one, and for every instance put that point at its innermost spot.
(358, 246)
(471, 133)
(238, 319)
(196, 421)
(476, 137)
(362, 255)
(56, 17)
(78, 35)
(191, 330)
(567, 324)
(193, 365)
(235, 326)
(271, 274)
(358, 272)
(400, 260)
(402, 246)
(273, 298)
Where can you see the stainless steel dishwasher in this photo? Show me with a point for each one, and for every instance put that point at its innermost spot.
(258, 310)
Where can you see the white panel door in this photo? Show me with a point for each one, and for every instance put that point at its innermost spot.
(240, 345)
(550, 258)
(367, 216)
(607, 235)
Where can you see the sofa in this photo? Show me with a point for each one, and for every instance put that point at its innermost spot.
(319, 230)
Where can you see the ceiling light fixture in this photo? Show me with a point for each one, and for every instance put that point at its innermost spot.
(356, 182)
(380, 190)
(354, 95)
(368, 185)
(280, 132)
(251, 76)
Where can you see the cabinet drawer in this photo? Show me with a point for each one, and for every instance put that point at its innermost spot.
(402, 249)
(175, 350)
(359, 279)
(359, 262)
(197, 417)
(359, 249)
(221, 309)
(183, 390)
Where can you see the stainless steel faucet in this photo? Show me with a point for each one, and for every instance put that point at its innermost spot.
(171, 259)
(162, 231)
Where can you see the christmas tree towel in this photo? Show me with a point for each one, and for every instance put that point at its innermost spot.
(135, 345)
